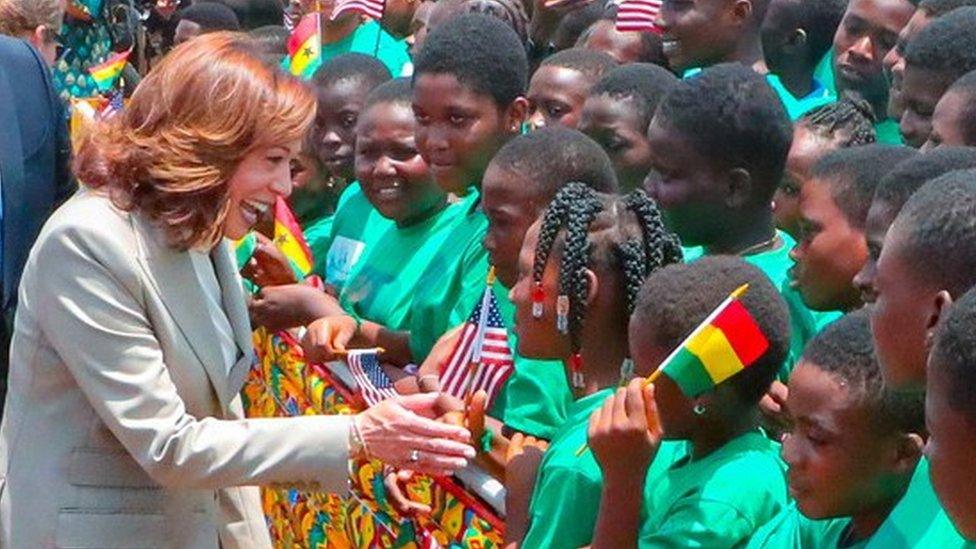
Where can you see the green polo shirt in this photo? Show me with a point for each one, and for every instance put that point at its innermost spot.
(791, 530)
(888, 132)
(717, 501)
(797, 107)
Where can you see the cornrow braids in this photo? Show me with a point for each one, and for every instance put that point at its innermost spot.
(850, 115)
(626, 233)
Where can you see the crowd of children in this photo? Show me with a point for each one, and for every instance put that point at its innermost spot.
(609, 192)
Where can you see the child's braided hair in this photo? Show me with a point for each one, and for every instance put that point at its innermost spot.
(623, 232)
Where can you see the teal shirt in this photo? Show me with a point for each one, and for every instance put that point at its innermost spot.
(791, 530)
(797, 107)
(719, 500)
(355, 224)
(370, 39)
(918, 520)
(382, 284)
(566, 498)
(453, 281)
(888, 132)
(536, 398)
(825, 72)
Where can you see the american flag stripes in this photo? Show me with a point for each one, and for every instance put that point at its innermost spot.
(482, 358)
(114, 106)
(370, 8)
(373, 382)
(638, 16)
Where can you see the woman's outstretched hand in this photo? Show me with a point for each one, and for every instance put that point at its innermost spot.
(402, 432)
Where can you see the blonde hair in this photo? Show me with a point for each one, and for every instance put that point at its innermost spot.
(185, 131)
(18, 17)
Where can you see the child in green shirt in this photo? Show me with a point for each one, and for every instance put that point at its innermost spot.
(951, 414)
(716, 186)
(710, 476)
(560, 85)
(578, 274)
(520, 182)
(853, 445)
(831, 246)
(909, 298)
(617, 112)
(341, 87)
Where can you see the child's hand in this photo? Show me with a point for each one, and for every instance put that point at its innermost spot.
(440, 353)
(328, 337)
(625, 432)
(522, 464)
(773, 407)
(393, 481)
(289, 306)
(268, 266)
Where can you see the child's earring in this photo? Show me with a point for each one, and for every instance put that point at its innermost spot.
(576, 369)
(562, 314)
(626, 371)
(699, 409)
(538, 296)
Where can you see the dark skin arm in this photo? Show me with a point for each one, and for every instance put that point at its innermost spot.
(289, 306)
(523, 460)
(624, 436)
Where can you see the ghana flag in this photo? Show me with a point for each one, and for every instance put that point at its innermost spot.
(727, 342)
(106, 73)
(305, 46)
(289, 239)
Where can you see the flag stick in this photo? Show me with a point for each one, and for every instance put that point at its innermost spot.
(736, 294)
(345, 352)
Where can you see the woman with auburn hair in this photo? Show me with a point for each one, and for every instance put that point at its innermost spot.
(123, 423)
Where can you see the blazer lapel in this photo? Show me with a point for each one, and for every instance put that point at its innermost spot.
(232, 294)
(173, 277)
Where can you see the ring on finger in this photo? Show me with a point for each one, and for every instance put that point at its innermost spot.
(414, 456)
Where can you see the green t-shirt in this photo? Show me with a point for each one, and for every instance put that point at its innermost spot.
(370, 39)
(825, 72)
(717, 501)
(319, 232)
(536, 398)
(888, 132)
(382, 284)
(918, 520)
(355, 224)
(454, 280)
(795, 107)
(804, 322)
(791, 530)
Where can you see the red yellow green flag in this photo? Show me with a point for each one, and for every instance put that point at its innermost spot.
(727, 342)
(106, 73)
(289, 238)
(305, 46)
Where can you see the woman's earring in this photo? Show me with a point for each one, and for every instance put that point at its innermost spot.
(699, 409)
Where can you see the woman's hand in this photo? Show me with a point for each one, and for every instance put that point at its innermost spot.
(268, 265)
(328, 337)
(402, 432)
(625, 432)
(289, 306)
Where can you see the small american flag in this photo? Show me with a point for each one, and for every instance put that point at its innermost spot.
(373, 382)
(638, 16)
(370, 8)
(114, 106)
(482, 358)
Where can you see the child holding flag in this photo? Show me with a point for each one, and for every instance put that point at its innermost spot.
(580, 269)
(712, 475)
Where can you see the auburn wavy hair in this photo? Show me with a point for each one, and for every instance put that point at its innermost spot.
(184, 132)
